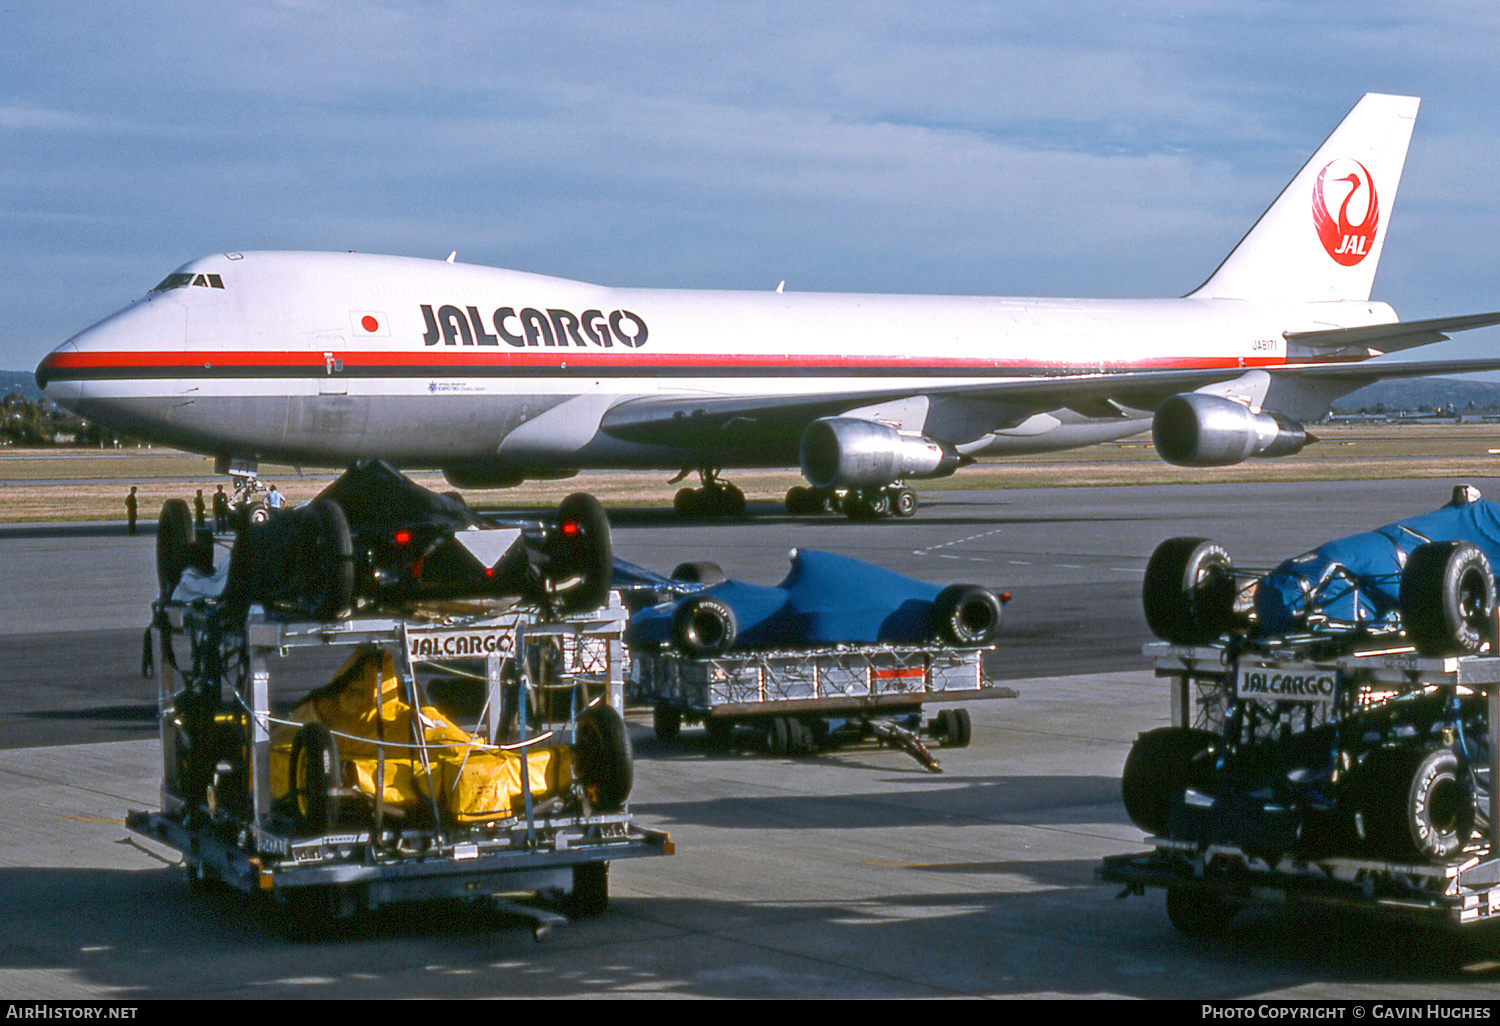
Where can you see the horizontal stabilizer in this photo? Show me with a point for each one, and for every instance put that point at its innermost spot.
(1391, 337)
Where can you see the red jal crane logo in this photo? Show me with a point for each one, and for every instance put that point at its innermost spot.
(1347, 242)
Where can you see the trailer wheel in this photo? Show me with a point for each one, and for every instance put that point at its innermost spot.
(590, 895)
(779, 736)
(1157, 770)
(584, 527)
(704, 626)
(1189, 591)
(667, 722)
(720, 731)
(1417, 804)
(316, 778)
(602, 758)
(174, 540)
(954, 728)
(1199, 913)
(966, 615)
(1448, 599)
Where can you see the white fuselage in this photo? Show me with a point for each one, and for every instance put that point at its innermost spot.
(323, 358)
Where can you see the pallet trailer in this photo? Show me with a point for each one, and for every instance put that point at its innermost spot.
(803, 699)
(1207, 884)
(232, 833)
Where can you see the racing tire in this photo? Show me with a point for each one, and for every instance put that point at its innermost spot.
(666, 722)
(316, 778)
(1189, 591)
(1417, 804)
(1447, 599)
(331, 562)
(590, 553)
(699, 572)
(590, 894)
(1199, 913)
(966, 615)
(1158, 769)
(174, 542)
(904, 502)
(602, 758)
(704, 626)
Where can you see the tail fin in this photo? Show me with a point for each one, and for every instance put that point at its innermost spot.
(1321, 239)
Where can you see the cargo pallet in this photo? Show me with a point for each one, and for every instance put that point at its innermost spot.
(1207, 883)
(234, 834)
(804, 699)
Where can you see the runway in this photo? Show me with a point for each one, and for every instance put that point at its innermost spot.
(848, 874)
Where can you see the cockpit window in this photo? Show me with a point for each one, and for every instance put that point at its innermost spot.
(182, 279)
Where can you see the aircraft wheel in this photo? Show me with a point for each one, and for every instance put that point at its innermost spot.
(904, 502)
(1448, 599)
(257, 513)
(880, 503)
(726, 500)
(800, 501)
(584, 528)
(687, 503)
(316, 778)
(1189, 591)
(174, 541)
(602, 758)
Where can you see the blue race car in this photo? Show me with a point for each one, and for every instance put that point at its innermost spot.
(825, 600)
(1429, 577)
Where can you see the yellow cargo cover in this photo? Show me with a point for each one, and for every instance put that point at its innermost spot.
(363, 705)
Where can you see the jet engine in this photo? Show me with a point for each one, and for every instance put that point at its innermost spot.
(846, 452)
(1197, 430)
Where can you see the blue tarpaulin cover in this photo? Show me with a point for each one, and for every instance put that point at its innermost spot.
(1358, 578)
(825, 600)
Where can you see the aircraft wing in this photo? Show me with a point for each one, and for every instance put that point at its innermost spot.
(688, 420)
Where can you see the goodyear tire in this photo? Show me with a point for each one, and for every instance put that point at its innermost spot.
(602, 758)
(700, 572)
(1417, 804)
(704, 626)
(316, 779)
(174, 541)
(1160, 767)
(1448, 599)
(966, 615)
(1189, 591)
(589, 553)
(331, 560)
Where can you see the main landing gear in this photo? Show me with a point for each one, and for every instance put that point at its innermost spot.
(715, 499)
(895, 499)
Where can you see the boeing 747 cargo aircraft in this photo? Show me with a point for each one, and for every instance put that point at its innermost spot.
(497, 376)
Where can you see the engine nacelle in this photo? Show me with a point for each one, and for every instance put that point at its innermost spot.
(1197, 430)
(480, 477)
(846, 452)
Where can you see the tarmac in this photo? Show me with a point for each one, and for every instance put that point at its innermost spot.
(854, 873)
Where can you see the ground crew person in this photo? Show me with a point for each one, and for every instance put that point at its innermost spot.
(201, 521)
(221, 511)
(130, 508)
(274, 500)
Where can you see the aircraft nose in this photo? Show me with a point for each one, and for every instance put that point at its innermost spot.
(124, 344)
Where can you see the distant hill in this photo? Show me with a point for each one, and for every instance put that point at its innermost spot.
(20, 381)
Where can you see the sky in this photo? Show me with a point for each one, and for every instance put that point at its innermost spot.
(1103, 149)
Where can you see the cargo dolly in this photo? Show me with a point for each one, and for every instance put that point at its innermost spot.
(1403, 826)
(543, 700)
(810, 698)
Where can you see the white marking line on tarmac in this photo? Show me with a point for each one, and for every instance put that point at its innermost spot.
(960, 541)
